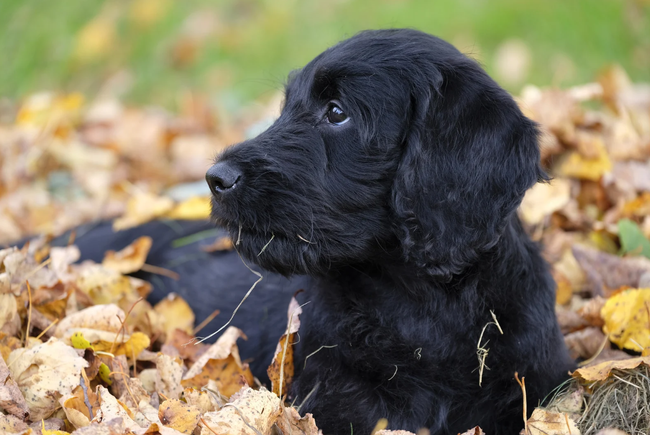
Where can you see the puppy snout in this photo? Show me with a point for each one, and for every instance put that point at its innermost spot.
(222, 177)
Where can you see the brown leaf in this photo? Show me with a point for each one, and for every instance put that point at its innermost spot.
(11, 399)
(281, 369)
(9, 319)
(186, 346)
(11, 425)
(229, 375)
(474, 431)
(584, 343)
(290, 422)
(131, 258)
(607, 272)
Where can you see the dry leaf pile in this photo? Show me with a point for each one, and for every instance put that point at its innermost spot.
(66, 161)
(84, 352)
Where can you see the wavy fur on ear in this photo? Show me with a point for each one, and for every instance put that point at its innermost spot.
(470, 154)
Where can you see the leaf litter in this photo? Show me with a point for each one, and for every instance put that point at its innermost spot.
(84, 352)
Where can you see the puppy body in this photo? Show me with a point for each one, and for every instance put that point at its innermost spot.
(407, 349)
(392, 178)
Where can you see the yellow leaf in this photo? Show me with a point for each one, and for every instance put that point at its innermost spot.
(178, 415)
(601, 371)
(78, 341)
(104, 374)
(626, 319)
(543, 199)
(142, 208)
(575, 165)
(176, 314)
(106, 286)
(195, 208)
(134, 345)
(129, 259)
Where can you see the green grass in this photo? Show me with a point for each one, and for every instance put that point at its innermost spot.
(255, 43)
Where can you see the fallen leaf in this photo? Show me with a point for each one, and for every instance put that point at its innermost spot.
(543, 199)
(142, 208)
(632, 239)
(44, 373)
(224, 346)
(111, 408)
(222, 364)
(176, 314)
(290, 422)
(627, 319)
(131, 258)
(195, 208)
(249, 412)
(584, 343)
(544, 422)
(606, 272)
(108, 318)
(11, 399)
(169, 373)
(61, 259)
(105, 286)
(11, 425)
(202, 400)
(576, 165)
(178, 415)
(281, 369)
(9, 319)
(229, 375)
(601, 371)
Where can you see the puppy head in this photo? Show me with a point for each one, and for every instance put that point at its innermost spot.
(391, 147)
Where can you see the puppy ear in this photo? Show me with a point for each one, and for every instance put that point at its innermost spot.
(469, 156)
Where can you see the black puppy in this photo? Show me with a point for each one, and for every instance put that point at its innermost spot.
(392, 177)
(388, 188)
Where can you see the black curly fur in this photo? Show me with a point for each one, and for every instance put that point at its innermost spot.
(405, 218)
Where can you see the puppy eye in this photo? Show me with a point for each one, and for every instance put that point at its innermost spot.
(336, 115)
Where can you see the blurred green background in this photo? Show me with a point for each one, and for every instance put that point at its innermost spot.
(234, 51)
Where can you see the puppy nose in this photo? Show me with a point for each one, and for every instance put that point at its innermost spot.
(222, 177)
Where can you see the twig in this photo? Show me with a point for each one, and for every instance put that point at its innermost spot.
(207, 320)
(160, 271)
(29, 314)
(522, 384)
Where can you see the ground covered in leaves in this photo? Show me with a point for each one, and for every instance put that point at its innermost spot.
(84, 352)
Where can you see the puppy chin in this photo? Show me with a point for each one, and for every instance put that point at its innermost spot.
(277, 252)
